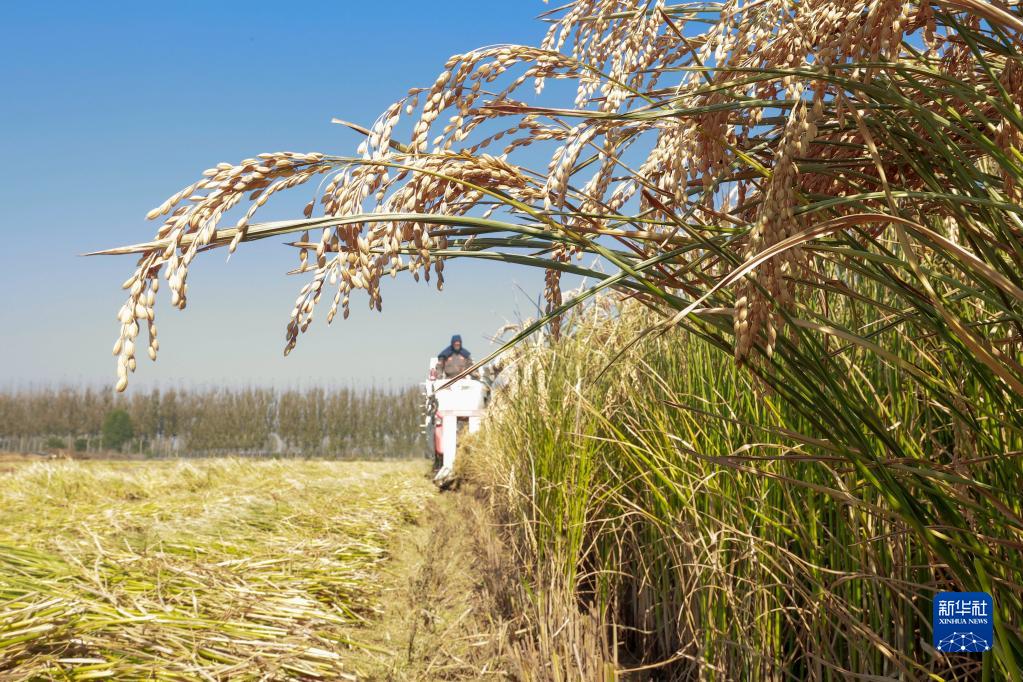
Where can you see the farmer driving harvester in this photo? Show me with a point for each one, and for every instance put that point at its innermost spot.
(454, 359)
(450, 405)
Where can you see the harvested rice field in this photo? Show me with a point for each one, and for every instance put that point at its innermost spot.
(207, 569)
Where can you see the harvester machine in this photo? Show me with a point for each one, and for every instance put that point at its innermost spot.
(450, 408)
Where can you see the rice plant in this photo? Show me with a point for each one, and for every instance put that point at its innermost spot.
(714, 530)
(826, 192)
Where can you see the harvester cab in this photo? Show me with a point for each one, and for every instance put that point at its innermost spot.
(448, 410)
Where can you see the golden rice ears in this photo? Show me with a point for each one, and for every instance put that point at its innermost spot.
(716, 135)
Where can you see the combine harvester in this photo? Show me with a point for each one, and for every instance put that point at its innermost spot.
(449, 410)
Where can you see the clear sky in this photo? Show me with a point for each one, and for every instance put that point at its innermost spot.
(108, 108)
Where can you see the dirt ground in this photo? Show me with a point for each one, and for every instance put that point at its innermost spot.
(441, 618)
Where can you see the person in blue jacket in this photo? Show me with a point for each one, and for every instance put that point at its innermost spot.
(454, 359)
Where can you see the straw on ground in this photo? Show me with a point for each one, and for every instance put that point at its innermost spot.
(194, 570)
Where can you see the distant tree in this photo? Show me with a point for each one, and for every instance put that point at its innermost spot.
(117, 429)
(312, 421)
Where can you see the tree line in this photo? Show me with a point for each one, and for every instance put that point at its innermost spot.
(336, 422)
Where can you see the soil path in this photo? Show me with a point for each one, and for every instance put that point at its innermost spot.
(439, 619)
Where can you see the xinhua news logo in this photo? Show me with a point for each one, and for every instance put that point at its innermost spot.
(963, 622)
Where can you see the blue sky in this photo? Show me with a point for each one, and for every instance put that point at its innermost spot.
(108, 108)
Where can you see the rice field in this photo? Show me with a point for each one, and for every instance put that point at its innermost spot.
(667, 515)
(813, 424)
(209, 569)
